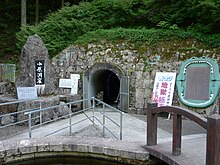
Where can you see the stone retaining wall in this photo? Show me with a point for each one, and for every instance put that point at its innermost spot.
(139, 63)
(109, 149)
(36, 104)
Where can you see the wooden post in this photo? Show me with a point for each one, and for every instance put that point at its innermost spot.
(177, 133)
(151, 124)
(213, 140)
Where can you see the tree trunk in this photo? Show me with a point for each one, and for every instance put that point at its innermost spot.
(62, 3)
(23, 12)
(37, 12)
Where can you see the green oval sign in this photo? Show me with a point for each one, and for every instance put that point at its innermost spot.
(198, 82)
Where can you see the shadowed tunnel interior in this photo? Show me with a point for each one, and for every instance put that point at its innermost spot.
(105, 85)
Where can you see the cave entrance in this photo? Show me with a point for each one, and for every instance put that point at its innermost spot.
(107, 83)
(105, 86)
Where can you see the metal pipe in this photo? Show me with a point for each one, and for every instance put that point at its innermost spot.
(121, 117)
(40, 113)
(112, 120)
(93, 110)
(104, 110)
(103, 118)
(29, 125)
(70, 122)
(55, 106)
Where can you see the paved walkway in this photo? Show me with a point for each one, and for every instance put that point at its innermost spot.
(134, 130)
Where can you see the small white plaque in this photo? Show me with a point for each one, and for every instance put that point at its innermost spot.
(65, 83)
(75, 76)
(27, 93)
(70, 83)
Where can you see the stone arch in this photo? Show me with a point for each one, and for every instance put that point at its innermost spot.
(102, 80)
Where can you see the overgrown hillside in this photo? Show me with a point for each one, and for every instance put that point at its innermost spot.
(132, 20)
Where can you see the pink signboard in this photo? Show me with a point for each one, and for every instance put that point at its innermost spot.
(164, 88)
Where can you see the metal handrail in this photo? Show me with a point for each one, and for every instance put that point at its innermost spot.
(18, 112)
(17, 121)
(91, 118)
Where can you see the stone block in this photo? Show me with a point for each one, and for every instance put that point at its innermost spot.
(26, 146)
(111, 151)
(126, 154)
(97, 149)
(5, 120)
(141, 156)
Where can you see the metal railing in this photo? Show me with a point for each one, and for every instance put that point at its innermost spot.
(93, 117)
(103, 111)
(16, 114)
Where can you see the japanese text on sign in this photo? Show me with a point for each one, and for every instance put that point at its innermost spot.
(164, 88)
(39, 70)
(70, 83)
(26, 93)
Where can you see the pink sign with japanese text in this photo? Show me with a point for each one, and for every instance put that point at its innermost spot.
(164, 88)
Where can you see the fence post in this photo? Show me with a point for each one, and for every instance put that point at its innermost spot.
(93, 110)
(40, 113)
(70, 120)
(151, 124)
(213, 140)
(177, 133)
(121, 121)
(103, 120)
(29, 124)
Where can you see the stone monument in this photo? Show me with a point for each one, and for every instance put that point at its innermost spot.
(35, 69)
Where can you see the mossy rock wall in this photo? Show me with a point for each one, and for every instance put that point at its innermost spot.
(140, 63)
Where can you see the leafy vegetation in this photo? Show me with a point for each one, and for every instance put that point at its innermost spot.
(150, 36)
(132, 20)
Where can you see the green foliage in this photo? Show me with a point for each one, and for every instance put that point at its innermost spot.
(166, 25)
(143, 35)
(127, 20)
(201, 16)
(56, 33)
(7, 31)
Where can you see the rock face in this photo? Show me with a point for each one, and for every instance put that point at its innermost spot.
(47, 115)
(135, 66)
(33, 50)
(138, 64)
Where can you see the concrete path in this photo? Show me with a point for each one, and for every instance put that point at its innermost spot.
(134, 130)
(193, 151)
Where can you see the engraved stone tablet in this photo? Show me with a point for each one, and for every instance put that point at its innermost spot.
(197, 83)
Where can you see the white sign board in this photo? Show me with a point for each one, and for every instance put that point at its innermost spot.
(75, 78)
(164, 88)
(70, 83)
(65, 83)
(26, 93)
